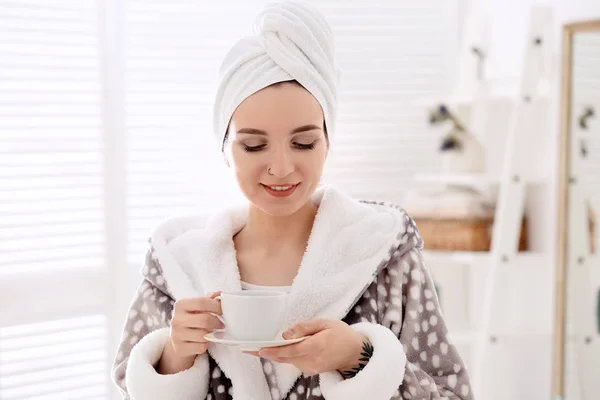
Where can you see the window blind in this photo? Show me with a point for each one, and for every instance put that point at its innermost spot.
(50, 143)
(51, 202)
(62, 359)
(172, 57)
(393, 53)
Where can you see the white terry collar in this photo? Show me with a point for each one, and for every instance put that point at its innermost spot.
(349, 243)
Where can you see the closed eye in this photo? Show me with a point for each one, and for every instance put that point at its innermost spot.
(305, 146)
(251, 149)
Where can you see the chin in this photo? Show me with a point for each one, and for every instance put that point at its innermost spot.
(281, 211)
(280, 207)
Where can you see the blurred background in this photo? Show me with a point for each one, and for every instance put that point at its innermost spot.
(105, 130)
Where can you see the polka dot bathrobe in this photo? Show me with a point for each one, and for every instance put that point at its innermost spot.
(363, 265)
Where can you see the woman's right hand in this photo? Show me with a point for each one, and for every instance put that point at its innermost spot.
(192, 319)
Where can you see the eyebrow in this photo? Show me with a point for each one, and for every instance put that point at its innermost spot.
(303, 128)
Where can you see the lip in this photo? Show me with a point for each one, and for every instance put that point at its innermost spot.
(278, 193)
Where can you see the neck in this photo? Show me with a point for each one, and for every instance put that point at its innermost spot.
(274, 232)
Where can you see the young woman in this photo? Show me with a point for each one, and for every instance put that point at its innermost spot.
(358, 287)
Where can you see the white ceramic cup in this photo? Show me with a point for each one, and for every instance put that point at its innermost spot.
(253, 315)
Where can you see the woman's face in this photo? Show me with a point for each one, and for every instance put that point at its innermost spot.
(278, 128)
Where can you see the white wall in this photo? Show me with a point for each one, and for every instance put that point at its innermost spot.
(508, 28)
(508, 19)
(569, 11)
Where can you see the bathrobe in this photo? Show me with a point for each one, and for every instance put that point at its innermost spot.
(362, 265)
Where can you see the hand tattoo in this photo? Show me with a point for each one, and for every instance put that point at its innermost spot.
(366, 355)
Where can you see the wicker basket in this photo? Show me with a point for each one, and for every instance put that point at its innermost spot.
(462, 234)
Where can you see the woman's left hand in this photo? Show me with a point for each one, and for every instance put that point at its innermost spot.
(330, 345)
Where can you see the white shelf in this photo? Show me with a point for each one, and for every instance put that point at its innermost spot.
(476, 180)
(466, 337)
(459, 179)
(459, 257)
(523, 258)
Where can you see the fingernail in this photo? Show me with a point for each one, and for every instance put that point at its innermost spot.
(289, 334)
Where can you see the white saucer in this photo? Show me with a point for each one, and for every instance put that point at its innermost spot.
(223, 337)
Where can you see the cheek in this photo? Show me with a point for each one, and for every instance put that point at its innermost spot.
(245, 165)
(315, 162)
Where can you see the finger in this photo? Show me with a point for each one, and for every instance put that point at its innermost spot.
(200, 304)
(288, 351)
(190, 335)
(306, 328)
(252, 353)
(202, 321)
(184, 349)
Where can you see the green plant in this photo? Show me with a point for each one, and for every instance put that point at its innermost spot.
(441, 114)
(452, 140)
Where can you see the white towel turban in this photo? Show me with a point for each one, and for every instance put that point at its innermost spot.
(291, 41)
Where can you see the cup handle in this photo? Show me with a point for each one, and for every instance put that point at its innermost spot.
(220, 317)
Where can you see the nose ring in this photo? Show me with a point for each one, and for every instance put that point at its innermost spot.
(269, 171)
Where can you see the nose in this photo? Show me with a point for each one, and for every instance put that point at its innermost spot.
(282, 163)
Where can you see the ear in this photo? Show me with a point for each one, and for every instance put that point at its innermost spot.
(226, 159)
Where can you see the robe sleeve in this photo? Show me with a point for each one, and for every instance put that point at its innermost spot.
(145, 333)
(413, 357)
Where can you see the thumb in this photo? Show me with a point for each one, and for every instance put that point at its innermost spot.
(306, 328)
